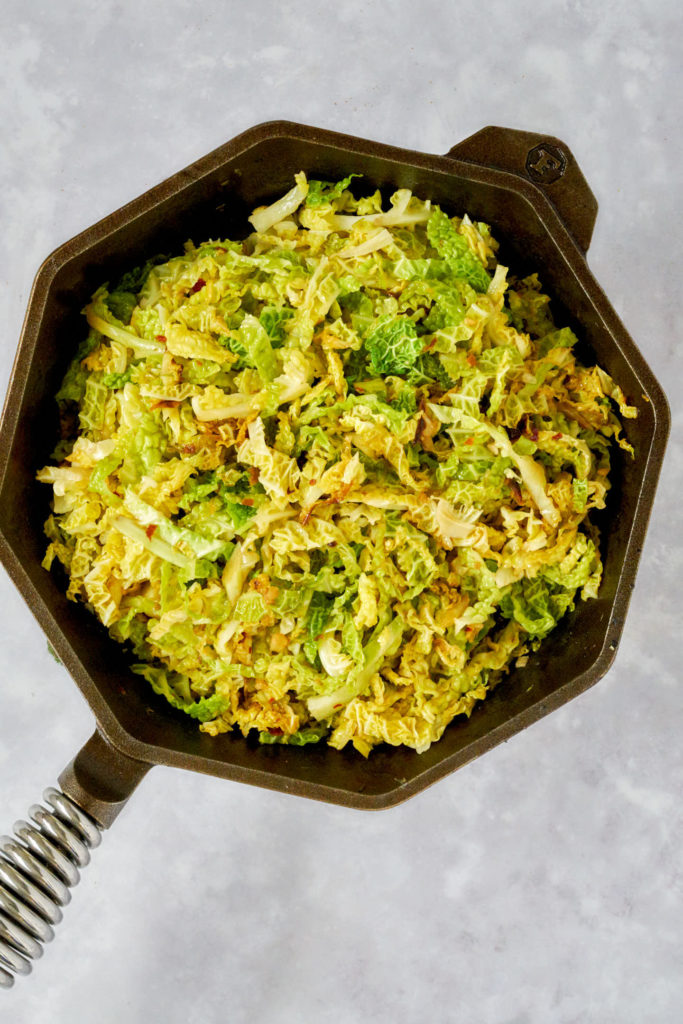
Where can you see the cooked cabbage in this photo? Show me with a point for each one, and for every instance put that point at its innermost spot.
(333, 481)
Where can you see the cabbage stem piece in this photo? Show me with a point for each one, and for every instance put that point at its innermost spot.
(265, 217)
(156, 545)
(385, 645)
(376, 241)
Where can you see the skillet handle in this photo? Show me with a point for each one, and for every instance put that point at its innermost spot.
(545, 161)
(100, 779)
(40, 864)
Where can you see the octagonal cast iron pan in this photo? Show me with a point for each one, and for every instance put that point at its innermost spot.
(531, 190)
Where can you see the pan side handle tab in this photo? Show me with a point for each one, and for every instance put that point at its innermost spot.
(543, 160)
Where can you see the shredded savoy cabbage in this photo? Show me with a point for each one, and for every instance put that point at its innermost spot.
(330, 482)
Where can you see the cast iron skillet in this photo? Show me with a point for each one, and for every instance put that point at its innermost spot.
(531, 190)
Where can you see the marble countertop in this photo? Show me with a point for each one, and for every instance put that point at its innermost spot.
(541, 883)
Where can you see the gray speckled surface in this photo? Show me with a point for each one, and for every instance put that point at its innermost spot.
(542, 883)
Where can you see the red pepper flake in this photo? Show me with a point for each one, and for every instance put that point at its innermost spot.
(253, 475)
(430, 344)
(151, 530)
(471, 359)
(189, 449)
(160, 337)
(312, 481)
(248, 501)
(221, 248)
(335, 706)
(469, 440)
(556, 437)
(198, 285)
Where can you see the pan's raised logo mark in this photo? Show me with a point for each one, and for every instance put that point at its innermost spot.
(545, 163)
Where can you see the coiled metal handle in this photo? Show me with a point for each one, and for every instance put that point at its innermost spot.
(38, 869)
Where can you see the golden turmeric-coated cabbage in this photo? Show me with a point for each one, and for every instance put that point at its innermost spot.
(332, 481)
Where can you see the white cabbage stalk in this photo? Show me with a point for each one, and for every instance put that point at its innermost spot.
(533, 475)
(147, 515)
(506, 574)
(449, 525)
(539, 541)
(378, 497)
(65, 478)
(385, 645)
(156, 545)
(235, 406)
(376, 241)
(225, 635)
(398, 216)
(290, 388)
(286, 228)
(531, 472)
(346, 222)
(120, 357)
(314, 282)
(265, 217)
(323, 707)
(496, 288)
(65, 502)
(140, 346)
(332, 658)
(237, 569)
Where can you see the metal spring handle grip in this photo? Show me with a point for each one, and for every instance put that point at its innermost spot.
(38, 869)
